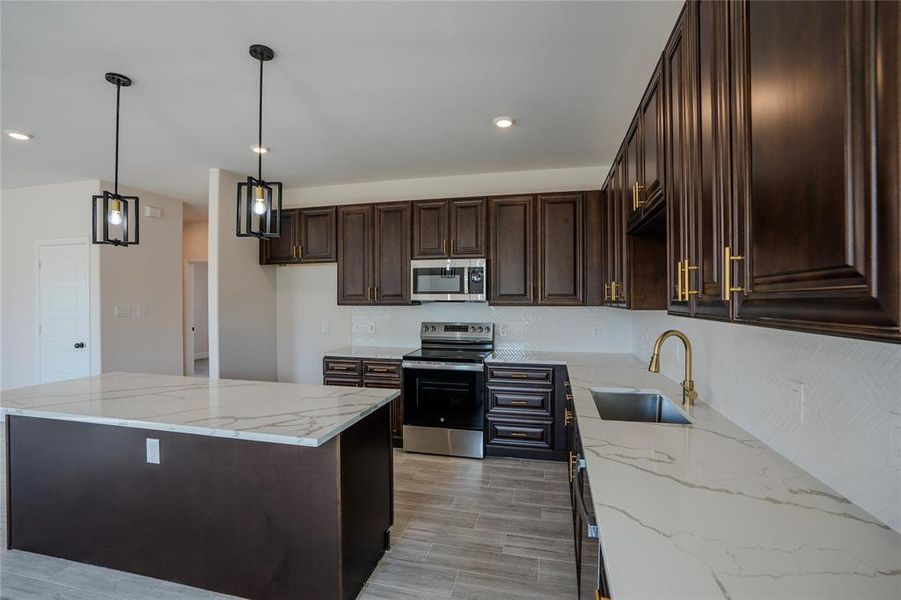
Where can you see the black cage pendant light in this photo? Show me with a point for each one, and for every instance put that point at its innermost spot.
(115, 218)
(259, 201)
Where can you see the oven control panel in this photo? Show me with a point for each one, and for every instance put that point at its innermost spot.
(457, 331)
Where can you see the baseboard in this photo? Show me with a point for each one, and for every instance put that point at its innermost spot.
(201, 355)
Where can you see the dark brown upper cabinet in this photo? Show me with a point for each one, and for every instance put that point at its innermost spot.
(816, 161)
(512, 226)
(650, 191)
(374, 253)
(316, 235)
(595, 256)
(449, 228)
(391, 257)
(307, 236)
(560, 248)
(283, 249)
(677, 68)
(710, 171)
(355, 254)
(630, 170)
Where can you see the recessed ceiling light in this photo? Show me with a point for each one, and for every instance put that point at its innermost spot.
(504, 122)
(18, 135)
(259, 149)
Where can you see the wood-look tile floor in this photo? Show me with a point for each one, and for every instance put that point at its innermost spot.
(497, 528)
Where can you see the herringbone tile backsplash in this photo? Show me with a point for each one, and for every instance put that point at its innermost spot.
(829, 404)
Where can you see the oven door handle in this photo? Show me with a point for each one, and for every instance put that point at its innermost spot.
(591, 528)
(441, 366)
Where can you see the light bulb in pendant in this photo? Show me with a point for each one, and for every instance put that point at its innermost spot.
(259, 205)
(115, 213)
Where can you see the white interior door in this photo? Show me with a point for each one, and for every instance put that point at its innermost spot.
(63, 312)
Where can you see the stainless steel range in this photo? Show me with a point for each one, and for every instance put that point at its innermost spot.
(444, 389)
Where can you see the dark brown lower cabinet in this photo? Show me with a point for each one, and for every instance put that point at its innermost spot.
(245, 518)
(372, 373)
(525, 411)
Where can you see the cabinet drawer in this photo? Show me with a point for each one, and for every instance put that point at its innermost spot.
(342, 367)
(378, 370)
(520, 375)
(527, 401)
(345, 381)
(526, 434)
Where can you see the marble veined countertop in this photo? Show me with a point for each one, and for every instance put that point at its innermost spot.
(378, 352)
(709, 511)
(281, 413)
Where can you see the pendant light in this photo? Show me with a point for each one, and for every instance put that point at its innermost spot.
(259, 201)
(115, 217)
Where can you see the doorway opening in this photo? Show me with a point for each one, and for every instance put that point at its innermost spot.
(197, 344)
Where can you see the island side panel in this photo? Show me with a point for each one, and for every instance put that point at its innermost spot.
(252, 519)
(367, 497)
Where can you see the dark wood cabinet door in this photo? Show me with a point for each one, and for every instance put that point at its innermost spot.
(560, 248)
(615, 247)
(467, 227)
(283, 249)
(631, 172)
(816, 161)
(391, 255)
(676, 77)
(316, 235)
(596, 245)
(512, 233)
(355, 254)
(710, 117)
(651, 161)
(430, 229)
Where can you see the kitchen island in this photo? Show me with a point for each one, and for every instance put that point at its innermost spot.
(256, 489)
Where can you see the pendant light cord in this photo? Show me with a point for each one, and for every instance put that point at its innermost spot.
(260, 130)
(116, 174)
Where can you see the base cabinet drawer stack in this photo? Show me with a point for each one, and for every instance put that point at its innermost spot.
(371, 373)
(521, 411)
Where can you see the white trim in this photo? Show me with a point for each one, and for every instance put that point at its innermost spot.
(38, 244)
(201, 355)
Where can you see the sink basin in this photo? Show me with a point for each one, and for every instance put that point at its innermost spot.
(646, 407)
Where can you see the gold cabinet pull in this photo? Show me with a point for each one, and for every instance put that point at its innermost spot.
(567, 417)
(444, 246)
(300, 251)
(518, 434)
(613, 291)
(686, 286)
(728, 288)
(519, 403)
(679, 281)
(638, 189)
(519, 375)
(606, 292)
(338, 368)
(294, 252)
(572, 466)
(379, 369)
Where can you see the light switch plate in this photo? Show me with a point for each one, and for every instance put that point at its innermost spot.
(153, 451)
(121, 311)
(143, 311)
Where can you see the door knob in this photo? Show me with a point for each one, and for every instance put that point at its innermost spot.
(79, 345)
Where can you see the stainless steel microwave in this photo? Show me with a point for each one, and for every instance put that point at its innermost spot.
(448, 280)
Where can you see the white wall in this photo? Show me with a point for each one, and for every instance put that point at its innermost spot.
(242, 293)
(455, 186)
(200, 318)
(147, 276)
(829, 404)
(63, 211)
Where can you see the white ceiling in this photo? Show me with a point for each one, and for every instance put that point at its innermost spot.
(357, 92)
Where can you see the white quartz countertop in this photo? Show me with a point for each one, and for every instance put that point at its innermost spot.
(281, 413)
(377, 352)
(709, 511)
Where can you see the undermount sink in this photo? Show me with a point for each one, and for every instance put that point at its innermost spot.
(646, 407)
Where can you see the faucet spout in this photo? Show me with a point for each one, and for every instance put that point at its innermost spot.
(689, 395)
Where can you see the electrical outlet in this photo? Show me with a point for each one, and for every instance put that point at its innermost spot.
(324, 327)
(596, 330)
(798, 389)
(121, 311)
(895, 440)
(142, 311)
(153, 451)
(371, 328)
